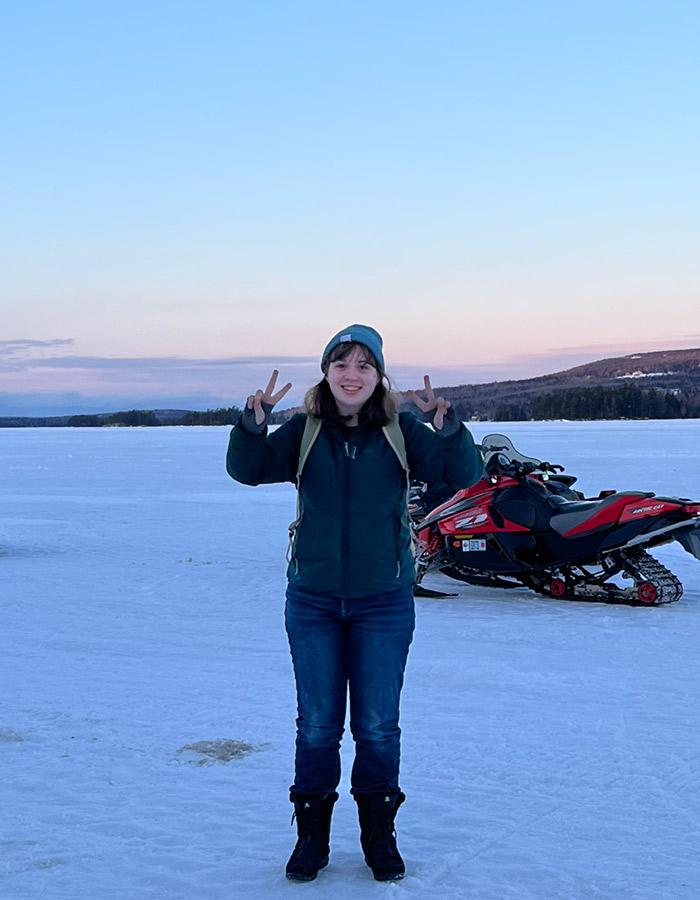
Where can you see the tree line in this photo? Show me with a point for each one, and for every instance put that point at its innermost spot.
(146, 417)
(625, 402)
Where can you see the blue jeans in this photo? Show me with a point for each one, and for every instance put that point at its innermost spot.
(357, 643)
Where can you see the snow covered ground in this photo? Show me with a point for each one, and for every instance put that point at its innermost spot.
(551, 749)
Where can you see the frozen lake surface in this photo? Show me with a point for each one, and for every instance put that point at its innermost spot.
(551, 749)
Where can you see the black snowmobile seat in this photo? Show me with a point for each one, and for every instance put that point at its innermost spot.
(575, 512)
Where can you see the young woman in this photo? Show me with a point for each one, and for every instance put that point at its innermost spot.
(350, 611)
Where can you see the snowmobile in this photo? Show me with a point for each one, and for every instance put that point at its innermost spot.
(524, 524)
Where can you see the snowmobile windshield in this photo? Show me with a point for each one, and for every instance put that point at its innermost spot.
(494, 444)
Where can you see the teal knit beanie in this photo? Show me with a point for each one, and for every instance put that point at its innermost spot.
(360, 334)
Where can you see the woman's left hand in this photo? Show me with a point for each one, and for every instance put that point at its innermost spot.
(439, 404)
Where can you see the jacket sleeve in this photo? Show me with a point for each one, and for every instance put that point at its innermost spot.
(454, 460)
(265, 458)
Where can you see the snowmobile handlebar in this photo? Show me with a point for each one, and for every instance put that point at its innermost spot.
(501, 457)
(500, 463)
(513, 467)
(551, 467)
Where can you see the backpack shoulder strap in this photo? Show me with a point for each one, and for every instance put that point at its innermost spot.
(312, 427)
(397, 442)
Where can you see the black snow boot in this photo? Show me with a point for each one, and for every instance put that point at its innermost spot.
(313, 814)
(377, 834)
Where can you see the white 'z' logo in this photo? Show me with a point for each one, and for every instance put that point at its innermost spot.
(471, 521)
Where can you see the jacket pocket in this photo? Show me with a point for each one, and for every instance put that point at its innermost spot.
(398, 544)
(292, 545)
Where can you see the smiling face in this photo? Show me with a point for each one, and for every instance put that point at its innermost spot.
(352, 381)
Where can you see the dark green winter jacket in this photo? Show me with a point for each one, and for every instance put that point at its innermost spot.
(353, 538)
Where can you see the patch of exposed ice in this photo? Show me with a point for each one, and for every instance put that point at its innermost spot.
(223, 750)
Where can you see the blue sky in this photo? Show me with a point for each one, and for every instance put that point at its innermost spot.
(195, 192)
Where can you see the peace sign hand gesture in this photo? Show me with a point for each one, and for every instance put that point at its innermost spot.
(259, 405)
(439, 404)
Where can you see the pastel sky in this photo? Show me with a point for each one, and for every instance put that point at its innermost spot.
(195, 192)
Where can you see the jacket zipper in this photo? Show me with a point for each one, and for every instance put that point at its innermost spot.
(348, 457)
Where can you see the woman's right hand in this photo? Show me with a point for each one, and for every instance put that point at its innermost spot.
(437, 406)
(262, 402)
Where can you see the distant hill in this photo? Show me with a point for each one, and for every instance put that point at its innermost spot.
(660, 384)
(673, 372)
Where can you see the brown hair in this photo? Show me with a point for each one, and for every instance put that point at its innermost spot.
(377, 411)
